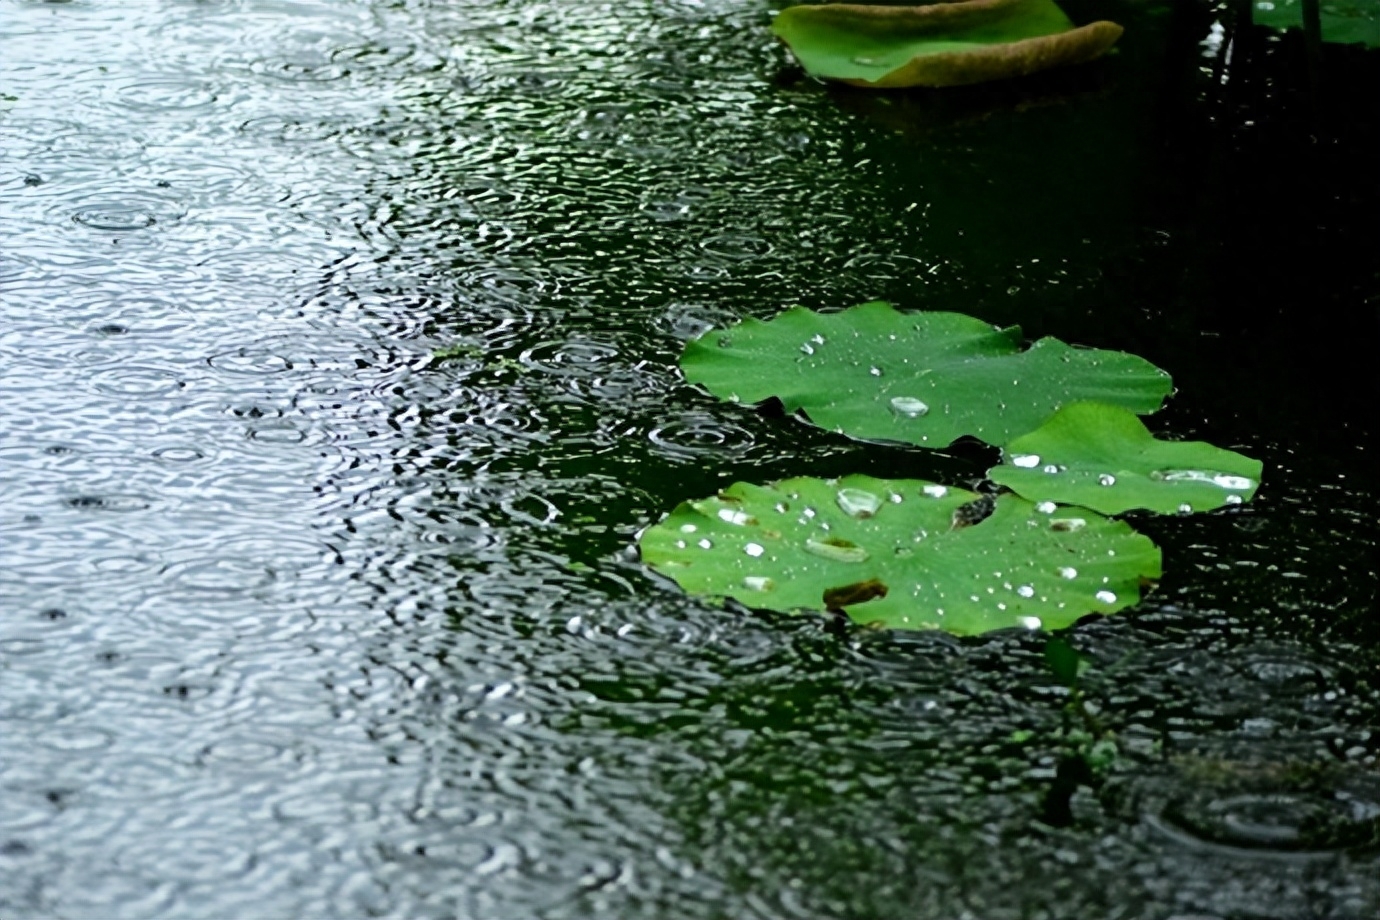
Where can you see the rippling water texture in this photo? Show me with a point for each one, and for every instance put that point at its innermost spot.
(302, 621)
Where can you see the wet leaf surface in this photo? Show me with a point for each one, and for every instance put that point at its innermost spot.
(941, 44)
(872, 371)
(890, 552)
(1103, 457)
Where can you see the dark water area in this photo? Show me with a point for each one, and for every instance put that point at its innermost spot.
(302, 620)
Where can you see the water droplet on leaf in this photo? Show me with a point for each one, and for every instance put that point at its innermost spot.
(858, 502)
(836, 549)
(909, 406)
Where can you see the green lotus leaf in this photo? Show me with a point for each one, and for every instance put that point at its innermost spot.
(1102, 457)
(939, 44)
(1343, 21)
(904, 553)
(921, 378)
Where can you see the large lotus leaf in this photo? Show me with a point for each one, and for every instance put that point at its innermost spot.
(897, 552)
(940, 44)
(1102, 457)
(1343, 21)
(922, 378)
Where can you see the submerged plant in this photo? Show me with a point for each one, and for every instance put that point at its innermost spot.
(938, 44)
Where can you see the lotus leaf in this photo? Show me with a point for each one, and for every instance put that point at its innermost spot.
(901, 553)
(1343, 21)
(939, 44)
(920, 378)
(1102, 457)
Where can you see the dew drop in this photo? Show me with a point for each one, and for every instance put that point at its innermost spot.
(808, 512)
(817, 339)
(1233, 499)
(1067, 525)
(758, 583)
(1106, 597)
(895, 498)
(680, 544)
(1185, 508)
(1026, 591)
(688, 528)
(807, 348)
(858, 503)
(705, 544)
(1238, 483)
(1053, 468)
(864, 60)
(1031, 622)
(1069, 572)
(909, 406)
(1046, 507)
(836, 549)
(1026, 460)
(875, 371)
(734, 516)
(1106, 479)
(753, 549)
(934, 491)
(781, 508)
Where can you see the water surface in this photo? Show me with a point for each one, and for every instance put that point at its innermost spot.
(302, 620)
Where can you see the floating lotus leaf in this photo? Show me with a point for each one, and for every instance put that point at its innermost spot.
(905, 553)
(1102, 457)
(922, 378)
(940, 44)
(1343, 21)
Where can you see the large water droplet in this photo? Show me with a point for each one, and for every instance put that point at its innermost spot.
(1069, 572)
(753, 549)
(858, 502)
(1031, 622)
(734, 516)
(758, 583)
(909, 406)
(1046, 507)
(1068, 525)
(934, 491)
(1106, 479)
(1221, 480)
(1106, 597)
(1026, 460)
(836, 549)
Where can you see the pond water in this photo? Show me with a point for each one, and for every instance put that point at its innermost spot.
(303, 621)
